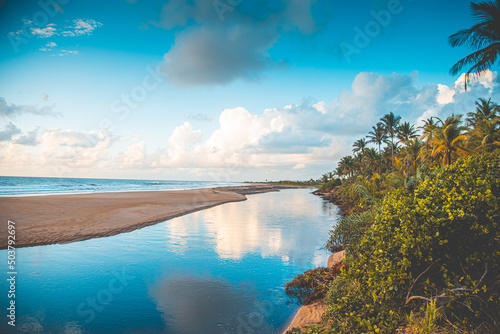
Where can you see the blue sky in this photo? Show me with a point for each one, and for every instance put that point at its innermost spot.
(217, 89)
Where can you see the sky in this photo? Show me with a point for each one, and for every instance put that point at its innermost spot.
(218, 90)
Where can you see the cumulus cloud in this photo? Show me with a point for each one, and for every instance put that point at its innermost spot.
(11, 110)
(204, 55)
(8, 132)
(223, 43)
(301, 140)
(29, 139)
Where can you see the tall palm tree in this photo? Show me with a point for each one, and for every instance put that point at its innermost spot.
(391, 123)
(485, 136)
(371, 158)
(485, 110)
(483, 37)
(359, 146)
(410, 154)
(428, 129)
(377, 136)
(405, 132)
(449, 140)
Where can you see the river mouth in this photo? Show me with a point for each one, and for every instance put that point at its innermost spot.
(220, 270)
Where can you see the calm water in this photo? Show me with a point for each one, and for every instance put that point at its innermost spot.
(13, 186)
(220, 270)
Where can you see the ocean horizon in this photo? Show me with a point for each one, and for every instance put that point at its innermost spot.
(32, 186)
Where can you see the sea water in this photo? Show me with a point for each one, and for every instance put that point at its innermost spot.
(19, 186)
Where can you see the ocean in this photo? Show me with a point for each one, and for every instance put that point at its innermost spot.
(22, 186)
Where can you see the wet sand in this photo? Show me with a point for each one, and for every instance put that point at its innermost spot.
(52, 219)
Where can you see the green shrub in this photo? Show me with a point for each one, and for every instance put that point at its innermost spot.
(440, 241)
(349, 230)
(330, 185)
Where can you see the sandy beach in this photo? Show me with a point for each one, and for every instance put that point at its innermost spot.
(44, 220)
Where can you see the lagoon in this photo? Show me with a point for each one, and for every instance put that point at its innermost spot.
(220, 270)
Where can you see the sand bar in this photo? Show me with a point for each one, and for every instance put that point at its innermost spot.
(44, 220)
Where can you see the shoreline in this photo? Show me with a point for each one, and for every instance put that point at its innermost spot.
(57, 219)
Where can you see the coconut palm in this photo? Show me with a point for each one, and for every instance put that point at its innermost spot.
(485, 110)
(485, 136)
(449, 140)
(359, 146)
(410, 155)
(428, 130)
(371, 160)
(378, 135)
(405, 132)
(390, 123)
(484, 37)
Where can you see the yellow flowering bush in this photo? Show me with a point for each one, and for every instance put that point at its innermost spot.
(440, 242)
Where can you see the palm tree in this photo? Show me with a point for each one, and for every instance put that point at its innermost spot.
(359, 146)
(346, 166)
(483, 37)
(428, 128)
(449, 140)
(485, 110)
(405, 132)
(378, 135)
(485, 136)
(391, 123)
(371, 158)
(410, 154)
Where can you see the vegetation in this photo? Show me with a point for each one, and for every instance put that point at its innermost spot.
(421, 225)
(421, 228)
(483, 37)
(310, 183)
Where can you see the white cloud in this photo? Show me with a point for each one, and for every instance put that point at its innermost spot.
(78, 27)
(67, 53)
(49, 31)
(48, 47)
(321, 107)
(81, 27)
(8, 132)
(12, 110)
(296, 141)
(445, 95)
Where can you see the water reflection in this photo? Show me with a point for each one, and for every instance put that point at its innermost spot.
(263, 225)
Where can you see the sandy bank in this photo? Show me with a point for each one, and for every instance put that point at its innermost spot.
(43, 220)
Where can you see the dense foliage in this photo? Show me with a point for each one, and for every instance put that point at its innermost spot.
(420, 226)
(439, 242)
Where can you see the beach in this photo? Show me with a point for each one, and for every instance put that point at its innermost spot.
(53, 219)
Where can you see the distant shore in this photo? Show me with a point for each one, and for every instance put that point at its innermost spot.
(53, 219)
